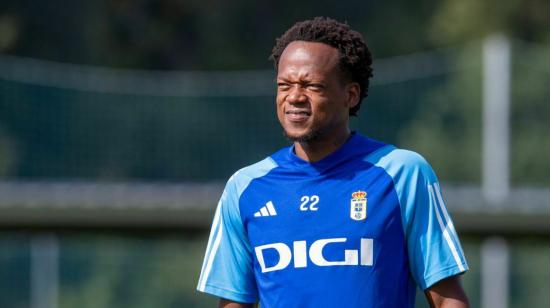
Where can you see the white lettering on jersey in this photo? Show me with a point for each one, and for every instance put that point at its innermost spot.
(300, 252)
(284, 256)
(316, 253)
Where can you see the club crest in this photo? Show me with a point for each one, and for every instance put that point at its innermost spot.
(358, 207)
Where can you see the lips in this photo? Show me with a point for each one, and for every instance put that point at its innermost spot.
(297, 115)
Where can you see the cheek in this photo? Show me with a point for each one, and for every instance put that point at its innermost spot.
(322, 107)
(279, 105)
(278, 101)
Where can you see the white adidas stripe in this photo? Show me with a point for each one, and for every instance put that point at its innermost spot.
(444, 210)
(214, 249)
(271, 208)
(445, 230)
(213, 232)
(267, 210)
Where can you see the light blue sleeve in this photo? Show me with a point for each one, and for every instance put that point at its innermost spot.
(227, 270)
(433, 246)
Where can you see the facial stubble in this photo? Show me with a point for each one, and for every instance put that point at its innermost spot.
(313, 135)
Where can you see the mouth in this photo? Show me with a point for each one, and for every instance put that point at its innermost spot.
(297, 115)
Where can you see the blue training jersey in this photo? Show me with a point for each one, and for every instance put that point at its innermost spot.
(360, 228)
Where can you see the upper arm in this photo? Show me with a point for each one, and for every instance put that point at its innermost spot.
(227, 271)
(431, 240)
(433, 245)
(228, 268)
(447, 293)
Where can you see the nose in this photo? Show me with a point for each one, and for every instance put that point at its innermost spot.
(296, 96)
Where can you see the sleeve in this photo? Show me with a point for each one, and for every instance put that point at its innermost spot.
(227, 271)
(433, 245)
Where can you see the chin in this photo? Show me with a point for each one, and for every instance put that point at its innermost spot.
(307, 136)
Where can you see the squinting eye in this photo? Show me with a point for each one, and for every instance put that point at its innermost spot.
(283, 86)
(315, 87)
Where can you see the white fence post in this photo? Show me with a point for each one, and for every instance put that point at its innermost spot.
(494, 273)
(44, 271)
(496, 119)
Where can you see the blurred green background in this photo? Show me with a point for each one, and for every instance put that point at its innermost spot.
(181, 93)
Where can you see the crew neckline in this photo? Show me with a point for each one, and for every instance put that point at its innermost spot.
(328, 161)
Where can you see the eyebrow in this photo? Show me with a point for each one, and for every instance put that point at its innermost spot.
(300, 79)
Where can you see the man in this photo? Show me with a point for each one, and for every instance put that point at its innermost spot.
(336, 219)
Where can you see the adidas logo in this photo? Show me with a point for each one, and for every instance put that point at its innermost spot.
(267, 210)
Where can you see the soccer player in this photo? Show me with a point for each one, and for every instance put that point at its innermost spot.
(337, 219)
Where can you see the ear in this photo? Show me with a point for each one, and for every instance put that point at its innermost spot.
(353, 91)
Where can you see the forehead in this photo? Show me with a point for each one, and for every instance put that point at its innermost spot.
(308, 57)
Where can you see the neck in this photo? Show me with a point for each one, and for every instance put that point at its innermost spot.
(315, 150)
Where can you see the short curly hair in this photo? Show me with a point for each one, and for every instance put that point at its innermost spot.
(355, 56)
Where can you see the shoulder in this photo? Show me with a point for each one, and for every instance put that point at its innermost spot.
(238, 182)
(387, 155)
(399, 163)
